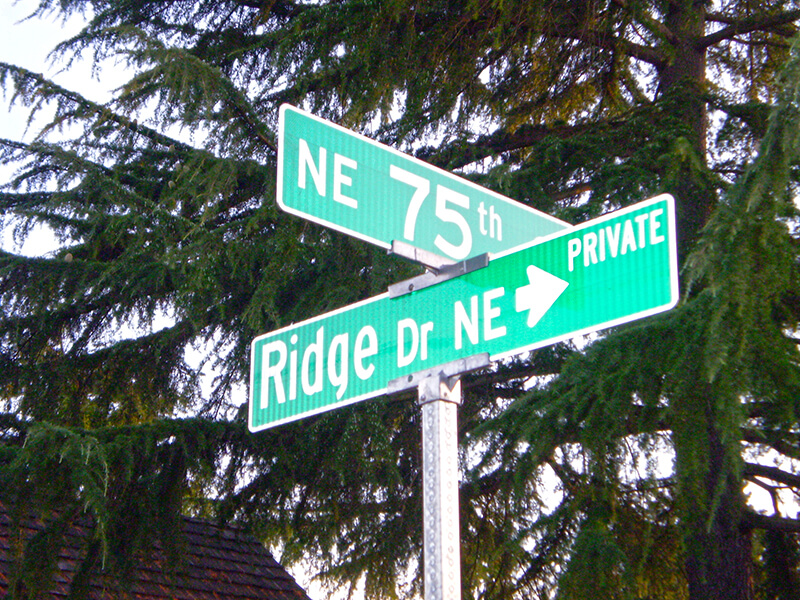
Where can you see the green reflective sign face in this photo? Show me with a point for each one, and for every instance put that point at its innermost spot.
(353, 184)
(608, 271)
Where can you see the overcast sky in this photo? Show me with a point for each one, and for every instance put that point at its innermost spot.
(25, 43)
(28, 42)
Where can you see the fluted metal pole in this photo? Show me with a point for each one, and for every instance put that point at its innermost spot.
(439, 397)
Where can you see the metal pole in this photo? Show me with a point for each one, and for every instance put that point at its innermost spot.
(439, 397)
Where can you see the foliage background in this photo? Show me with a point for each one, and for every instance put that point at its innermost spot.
(163, 201)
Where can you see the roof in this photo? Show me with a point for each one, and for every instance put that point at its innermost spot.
(217, 562)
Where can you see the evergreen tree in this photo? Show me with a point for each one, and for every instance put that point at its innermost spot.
(163, 200)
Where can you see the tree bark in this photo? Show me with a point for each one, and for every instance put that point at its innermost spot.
(717, 544)
(683, 80)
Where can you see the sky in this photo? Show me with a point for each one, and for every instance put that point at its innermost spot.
(27, 43)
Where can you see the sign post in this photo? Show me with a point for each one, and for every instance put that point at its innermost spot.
(439, 398)
(358, 186)
(439, 395)
(608, 271)
(545, 282)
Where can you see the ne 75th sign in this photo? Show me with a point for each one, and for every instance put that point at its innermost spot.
(355, 185)
(605, 272)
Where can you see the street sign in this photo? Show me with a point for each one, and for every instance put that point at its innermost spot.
(355, 185)
(605, 272)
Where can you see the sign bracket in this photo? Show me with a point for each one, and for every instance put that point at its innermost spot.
(450, 369)
(444, 273)
(431, 261)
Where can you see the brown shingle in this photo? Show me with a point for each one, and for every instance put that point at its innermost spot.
(216, 562)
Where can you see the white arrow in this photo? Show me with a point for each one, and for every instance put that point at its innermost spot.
(539, 295)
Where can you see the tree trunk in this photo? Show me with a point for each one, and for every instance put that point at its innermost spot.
(718, 547)
(717, 544)
(682, 81)
(719, 560)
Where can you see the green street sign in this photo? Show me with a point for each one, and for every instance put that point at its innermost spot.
(355, 185)
(608, 271)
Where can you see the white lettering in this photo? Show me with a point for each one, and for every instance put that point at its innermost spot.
(421, 188)
(362, 351)
(444, 196)
(317, 173)
(602, 244)
(490, 312)
(313, 354)
(618, 239)
(293, 369)
(655, 224)
(494, 219)
(338, 378)
(628, 238)
(468, 323)
(272, 371)
(340, 179)
(640, 219)
(424, 331)
(612, 235)
(589, 249)
(403, 325)
(573, 251)
(482, 219)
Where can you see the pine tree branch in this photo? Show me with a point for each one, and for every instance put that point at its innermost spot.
(783, 445)
(773, 473)
(574, 27)
(655, 26)
(771, 490)
(601, 40)
(253, 126)
(770, 523)
(565, 473)
(787, 30)
(541, 363)
(758, 22)
(457, 156)
(11, 422)
(23, 79)
(280, 9)
(575, 190)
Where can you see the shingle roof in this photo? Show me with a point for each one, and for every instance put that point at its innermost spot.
(216, 563)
